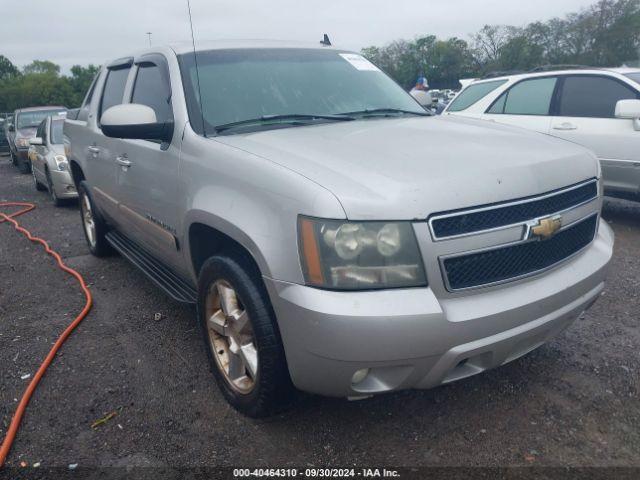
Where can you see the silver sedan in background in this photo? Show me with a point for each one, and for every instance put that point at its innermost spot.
(49, 164)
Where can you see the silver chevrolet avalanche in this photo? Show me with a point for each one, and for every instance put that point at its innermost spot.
(335, 237)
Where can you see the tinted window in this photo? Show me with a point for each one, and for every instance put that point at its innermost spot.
(41, 131)
(83, 114)
(472, 94)
(114, 88)
(530, 97)
(592, 97)
(151, 89)
(56, 132)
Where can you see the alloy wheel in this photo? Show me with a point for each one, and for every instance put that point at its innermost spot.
(87, 219)
(231, 337)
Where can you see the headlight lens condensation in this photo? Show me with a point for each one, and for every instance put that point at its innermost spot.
(341, 255)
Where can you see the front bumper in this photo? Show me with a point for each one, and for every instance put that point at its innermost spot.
(63, 184)
(411, 339)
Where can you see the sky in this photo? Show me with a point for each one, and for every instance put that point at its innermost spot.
(70, 32)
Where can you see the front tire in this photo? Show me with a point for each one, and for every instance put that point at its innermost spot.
(58, 202)
(23, 166)
(242, 338)
(94, 227)
(38, 186)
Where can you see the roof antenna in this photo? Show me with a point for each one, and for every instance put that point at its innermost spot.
(325, 41)
(195, 59)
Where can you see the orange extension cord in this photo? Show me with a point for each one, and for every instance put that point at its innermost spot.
(24, 401)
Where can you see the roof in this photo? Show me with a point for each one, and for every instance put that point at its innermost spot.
(546, 73)
(181, 48)
(37, 109)
(624, 70)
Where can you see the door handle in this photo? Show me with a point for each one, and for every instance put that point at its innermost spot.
(93, 149)
(565, 126)
(123, 160)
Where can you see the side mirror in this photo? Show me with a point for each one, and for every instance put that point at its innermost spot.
(629, 109)
(423, 98)
(134, 121)
(12, 128)
(35, 141)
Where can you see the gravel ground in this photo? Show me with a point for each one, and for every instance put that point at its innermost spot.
(573, 402)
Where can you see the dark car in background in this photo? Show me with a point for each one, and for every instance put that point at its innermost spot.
(26, 121)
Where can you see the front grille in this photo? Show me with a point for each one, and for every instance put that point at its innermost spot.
(489, 217)
(506, 263)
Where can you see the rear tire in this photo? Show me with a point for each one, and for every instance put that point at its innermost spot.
(94, 226)
(257, 382)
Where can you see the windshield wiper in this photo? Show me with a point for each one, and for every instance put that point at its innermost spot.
(388, 111)
(280, 119)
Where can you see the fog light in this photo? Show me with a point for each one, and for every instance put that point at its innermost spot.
(359, 376)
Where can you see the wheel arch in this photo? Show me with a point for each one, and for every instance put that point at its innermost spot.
(208, 235)
(76, 173)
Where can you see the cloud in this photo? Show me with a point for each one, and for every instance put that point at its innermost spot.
(72, 32)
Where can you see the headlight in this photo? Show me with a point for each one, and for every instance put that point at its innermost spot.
(61, 162)
(341, 255)
(22, 142)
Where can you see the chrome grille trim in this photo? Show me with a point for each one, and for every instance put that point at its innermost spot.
(507, 204)
(443, 258)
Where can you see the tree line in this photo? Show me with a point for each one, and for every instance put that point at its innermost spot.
(40, 83)
(606, 34)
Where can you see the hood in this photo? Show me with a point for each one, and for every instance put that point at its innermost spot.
(409, 168)
(28, 132)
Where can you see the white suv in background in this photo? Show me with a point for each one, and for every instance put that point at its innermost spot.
(597, 108)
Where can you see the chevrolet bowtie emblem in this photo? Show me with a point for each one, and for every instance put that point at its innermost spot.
(547, 227)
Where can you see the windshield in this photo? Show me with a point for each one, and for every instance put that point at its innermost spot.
(634, 76)
(473, 94)
(33, 119)
(243, 84)
(56, 132)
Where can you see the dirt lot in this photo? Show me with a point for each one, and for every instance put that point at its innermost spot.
(572, 402)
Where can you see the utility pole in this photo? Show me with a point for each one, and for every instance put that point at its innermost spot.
(149, 35)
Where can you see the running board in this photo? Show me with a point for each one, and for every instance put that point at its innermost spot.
(153, 268)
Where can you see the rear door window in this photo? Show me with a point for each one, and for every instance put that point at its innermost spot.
(529, 97)
(473, 94)
(592, 96)
(114, 86)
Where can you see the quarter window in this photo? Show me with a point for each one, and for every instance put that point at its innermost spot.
(83, 114)
(530, 97)
(473, 94)
(114, 88)
(593, 96)
(152, 90)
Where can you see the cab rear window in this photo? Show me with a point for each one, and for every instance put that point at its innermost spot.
(472, 94)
